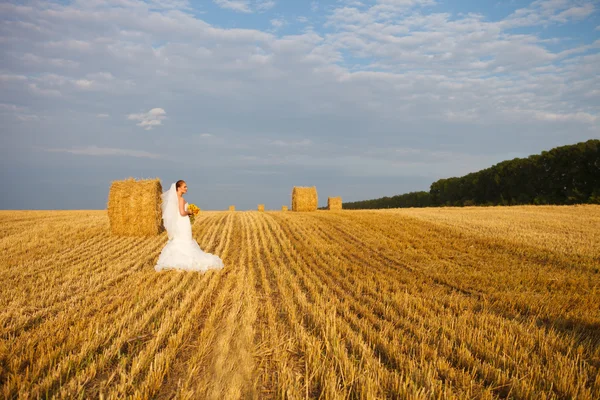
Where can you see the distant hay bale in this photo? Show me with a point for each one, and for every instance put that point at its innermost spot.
(284, 208)
(231, 208)
(261, 207)
(134, 207)
(304, 198)
(334, 203)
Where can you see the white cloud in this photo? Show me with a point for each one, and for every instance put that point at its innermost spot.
(71, 44)
(20, 113)
(264, 5)
(52, 80)
(12, 78)
(206, 135)
(278, 23)
(169, 4)
(246, 6)
(404, 74)
(468, 44)
(102, 116)
(96, 80)
(284, 143)
(552, 11)
(29, 58)
(575, 13)
(11, 107)
(105, 76)
(104, 151)
(83, 83)
(353, 3)
(462, 115)
(576, 117)
(27, 117)
(150, 119)
(55, 85)
(235, 5)
(35, 89)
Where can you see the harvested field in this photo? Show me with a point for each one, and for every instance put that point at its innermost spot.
(417, 303)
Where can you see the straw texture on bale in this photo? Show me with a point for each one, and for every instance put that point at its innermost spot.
(231, 208)
(134, 207)
(261, 207)
(304, 198)
(334, 203)
(284, 208)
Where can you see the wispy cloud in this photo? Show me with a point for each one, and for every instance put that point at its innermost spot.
(264, 5)
(12, 78)
(277, 23)
(299, 143)
(102, 115)
(150, 119)
(5, 107)
(27, 117)
(83, 83)
(170, 4)
(44, 92)
(545, 12)
(235, 5)
(29, 58)
(582, 117)
(246, 6)
(104, 152)
(20, 113)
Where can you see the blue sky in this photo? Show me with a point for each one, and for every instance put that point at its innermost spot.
(246, 98)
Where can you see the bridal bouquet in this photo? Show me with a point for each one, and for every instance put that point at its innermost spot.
(194, 210)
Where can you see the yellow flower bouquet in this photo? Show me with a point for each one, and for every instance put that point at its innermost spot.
(194, 210)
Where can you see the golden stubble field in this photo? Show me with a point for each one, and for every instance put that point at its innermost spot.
(415, 303)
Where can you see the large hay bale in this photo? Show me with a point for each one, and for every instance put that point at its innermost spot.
(334, 203)
(134, 207)
(231, 208)
(304, 198)
(261, 207)
(284, 208)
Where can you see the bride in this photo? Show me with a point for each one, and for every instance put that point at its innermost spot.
(181, 251)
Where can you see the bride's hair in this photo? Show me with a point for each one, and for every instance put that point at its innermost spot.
(179, 183)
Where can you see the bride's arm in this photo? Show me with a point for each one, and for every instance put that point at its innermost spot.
(182, 211)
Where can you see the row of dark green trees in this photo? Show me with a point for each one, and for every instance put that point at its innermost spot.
(563, 175)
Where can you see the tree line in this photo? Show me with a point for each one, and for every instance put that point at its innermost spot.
(564, 175)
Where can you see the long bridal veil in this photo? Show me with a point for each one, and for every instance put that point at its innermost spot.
(181, 251)
(170, 211)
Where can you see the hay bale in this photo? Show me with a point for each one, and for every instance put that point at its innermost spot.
(334, 203)
(134, 207)
(284, 208)
(304, 198)
(231, 208)
(261, 207)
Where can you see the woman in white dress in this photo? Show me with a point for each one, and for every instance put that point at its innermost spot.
(181, 251)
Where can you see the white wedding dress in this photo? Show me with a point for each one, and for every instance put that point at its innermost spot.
(181, 251)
